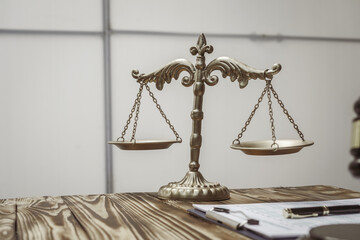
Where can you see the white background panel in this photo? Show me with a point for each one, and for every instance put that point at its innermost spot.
(85, 15)
(318, 85)
(334, 18)
(52, 130)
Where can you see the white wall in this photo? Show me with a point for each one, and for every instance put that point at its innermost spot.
(52, 123)
(51, 100)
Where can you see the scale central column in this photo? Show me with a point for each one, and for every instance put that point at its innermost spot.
(194, 186)
(197, 115)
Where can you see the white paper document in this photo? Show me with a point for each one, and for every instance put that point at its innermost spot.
(272, 222)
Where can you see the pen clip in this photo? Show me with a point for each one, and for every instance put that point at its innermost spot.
(219, 209)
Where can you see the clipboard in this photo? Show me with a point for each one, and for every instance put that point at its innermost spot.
(272, 223)
(248, 233)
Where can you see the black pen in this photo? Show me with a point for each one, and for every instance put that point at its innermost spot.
(320, 211)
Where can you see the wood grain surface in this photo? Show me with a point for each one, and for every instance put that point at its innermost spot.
(46, 218)
(165, 221)
(134, 215)
(7, 219)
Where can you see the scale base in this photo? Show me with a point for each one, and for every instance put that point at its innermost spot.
(194, 187)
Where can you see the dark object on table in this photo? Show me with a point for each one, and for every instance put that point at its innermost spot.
(354, 166)
(336, 232)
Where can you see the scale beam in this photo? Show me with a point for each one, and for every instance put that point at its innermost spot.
(165, 74)
(237, 71)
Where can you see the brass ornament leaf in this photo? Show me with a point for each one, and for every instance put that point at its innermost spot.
(201, 47)
(201, 41)
(168, 72)
(232, 68)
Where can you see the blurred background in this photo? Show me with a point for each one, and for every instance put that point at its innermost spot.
(66, 89)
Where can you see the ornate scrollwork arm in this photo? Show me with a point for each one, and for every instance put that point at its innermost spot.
(236, 71)
(269, 73)
(168, 72)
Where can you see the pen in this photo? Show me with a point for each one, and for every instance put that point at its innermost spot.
(233, 224)
(224, 220)
(320, 211)
(250, 221)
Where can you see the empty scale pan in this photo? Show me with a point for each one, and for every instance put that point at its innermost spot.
(263, 147)
(273, 146)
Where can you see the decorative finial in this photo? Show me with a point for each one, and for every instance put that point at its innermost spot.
(201, 47)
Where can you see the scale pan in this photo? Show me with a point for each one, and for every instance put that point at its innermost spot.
(144, 144)
(263, 147)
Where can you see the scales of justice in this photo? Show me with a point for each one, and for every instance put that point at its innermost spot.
(194, 186)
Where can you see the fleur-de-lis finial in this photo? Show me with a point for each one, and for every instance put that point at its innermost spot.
(201, 47)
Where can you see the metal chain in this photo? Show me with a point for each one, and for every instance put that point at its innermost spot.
(268, 89)
(268, 86)
(301, 135)
(237, 141)
(136, 104)
(178, 138)
(136, 114)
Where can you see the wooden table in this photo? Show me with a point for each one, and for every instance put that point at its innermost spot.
(134, 215)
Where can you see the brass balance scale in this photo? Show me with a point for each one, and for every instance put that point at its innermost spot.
(194, 186)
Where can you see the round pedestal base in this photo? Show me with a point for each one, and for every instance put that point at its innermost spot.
(194, 187)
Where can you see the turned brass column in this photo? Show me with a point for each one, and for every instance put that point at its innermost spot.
(194, 186)
(197, 115)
